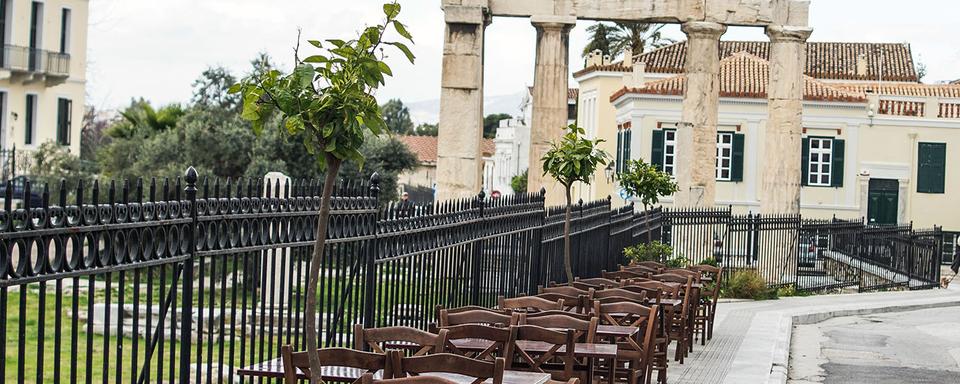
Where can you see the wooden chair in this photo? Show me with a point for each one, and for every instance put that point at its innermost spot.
(619, 294)
(669, 290)
(598, 281)
(570, 303)
(529, 304)
(498, 337)
(566, 290)
(578, 316)
(680, 328)
(479, 370)
(378, 340)
(684, 272)
(634, 354)
(657, 292)
(356, 363)
(704, 319)
(623, 276)
(651, 264)
(524, 358)
(585, 331)
(475, 316)
(368, 379)
(642, 269)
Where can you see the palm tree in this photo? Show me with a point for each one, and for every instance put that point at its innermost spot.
(613, 39)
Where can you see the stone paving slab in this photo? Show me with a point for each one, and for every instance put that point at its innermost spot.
(751, 340)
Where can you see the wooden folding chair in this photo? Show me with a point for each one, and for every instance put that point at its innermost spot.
(709, 298)
(576, 303)
(529, 357)
(634, 353)
(378, 340)
(476, 316)
(598, 281)
(498, 338)
(479, 370)
(529, 304)
(340, 362)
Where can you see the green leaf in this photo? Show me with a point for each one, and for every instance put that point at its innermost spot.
(403, 48)
(402, 30)
(385, 68)
(337, 42)
(315, 43)
(236, 88)
(316, 59)
(391, 10)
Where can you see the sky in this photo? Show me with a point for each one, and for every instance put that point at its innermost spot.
(156, 49)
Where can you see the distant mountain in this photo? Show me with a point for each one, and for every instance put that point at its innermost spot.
(428, 111)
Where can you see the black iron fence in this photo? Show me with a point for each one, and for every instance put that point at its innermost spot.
(186, 280)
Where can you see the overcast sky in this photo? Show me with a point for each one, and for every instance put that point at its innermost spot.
(155, 49)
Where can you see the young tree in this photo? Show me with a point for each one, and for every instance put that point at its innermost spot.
(601, 36)
(491, 122)
(397, 117)
(572, 159)
(328, 100)
(647, 183)
(425, 129)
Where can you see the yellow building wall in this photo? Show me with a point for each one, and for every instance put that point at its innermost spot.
(73, 88)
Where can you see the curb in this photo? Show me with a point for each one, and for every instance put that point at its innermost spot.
(781, 350)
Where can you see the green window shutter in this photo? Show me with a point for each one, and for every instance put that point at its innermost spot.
(836, 167)
(805, 161)
(619, 151)
(628, 143)
(656, 152)
(931, 170)
(29, 123)
(736, 171)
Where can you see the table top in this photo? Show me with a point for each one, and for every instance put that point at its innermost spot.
(509, 377)
(274, 368)
(603, 351)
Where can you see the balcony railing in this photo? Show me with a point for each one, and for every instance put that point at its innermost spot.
(24, 59)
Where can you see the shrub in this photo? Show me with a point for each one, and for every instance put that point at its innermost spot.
(655, 251)
(791, 291)
(677, 262)
(747, 284)
(710, 261)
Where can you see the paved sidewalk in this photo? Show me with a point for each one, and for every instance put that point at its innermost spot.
(751, 340)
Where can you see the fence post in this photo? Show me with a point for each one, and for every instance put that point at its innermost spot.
(186, 309)
(370, 282)
(477, 254)
(536, 262)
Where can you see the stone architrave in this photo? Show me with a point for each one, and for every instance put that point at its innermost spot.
(459, 157)
(697, 132)
(781, 176)
(550, 86)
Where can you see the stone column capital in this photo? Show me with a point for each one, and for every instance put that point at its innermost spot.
(460, 14)
(703, 30)
(788, 34)
(565, 23)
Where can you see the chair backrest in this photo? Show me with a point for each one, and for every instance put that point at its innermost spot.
(476, 316)
(639, 298)
(642, 269)
(670, 290)
(598, 281)
(479, 370)
(533, 357)
(685, 272)
(368, 379)
(578, 316)
(653, 295)
(332, 357)
(567, 290)
(715, 273)
(576, 303)
(672, 278)
(651, 264)
(498, 336)
(529, 304)
(379, 340)
(623, 275)
(585, 331)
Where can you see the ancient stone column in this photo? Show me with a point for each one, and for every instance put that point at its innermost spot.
(549, 98)
(697, 132)
(781, 176)
(459, 157)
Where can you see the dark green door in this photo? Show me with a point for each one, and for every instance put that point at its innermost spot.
(882, 201)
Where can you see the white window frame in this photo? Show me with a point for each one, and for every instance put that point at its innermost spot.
(820, 164)
(721, 146)
(670, 157)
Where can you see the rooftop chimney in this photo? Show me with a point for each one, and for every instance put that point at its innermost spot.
(595, 58)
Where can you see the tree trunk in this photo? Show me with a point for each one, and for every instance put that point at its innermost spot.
(310, 318)
(567, 262)
(646, 216)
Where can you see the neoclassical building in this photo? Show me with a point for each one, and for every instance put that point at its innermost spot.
(876, 143)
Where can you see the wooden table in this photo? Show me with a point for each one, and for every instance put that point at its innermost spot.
(274, 369)
(509, 377)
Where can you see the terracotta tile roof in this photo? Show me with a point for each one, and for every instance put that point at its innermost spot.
(904, 89)
(825, 60)
(746, 76)
(426, 147)
(613, 67)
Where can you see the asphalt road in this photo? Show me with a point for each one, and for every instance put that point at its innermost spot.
(907, 347)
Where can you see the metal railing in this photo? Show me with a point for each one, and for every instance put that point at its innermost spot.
(187, 280)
